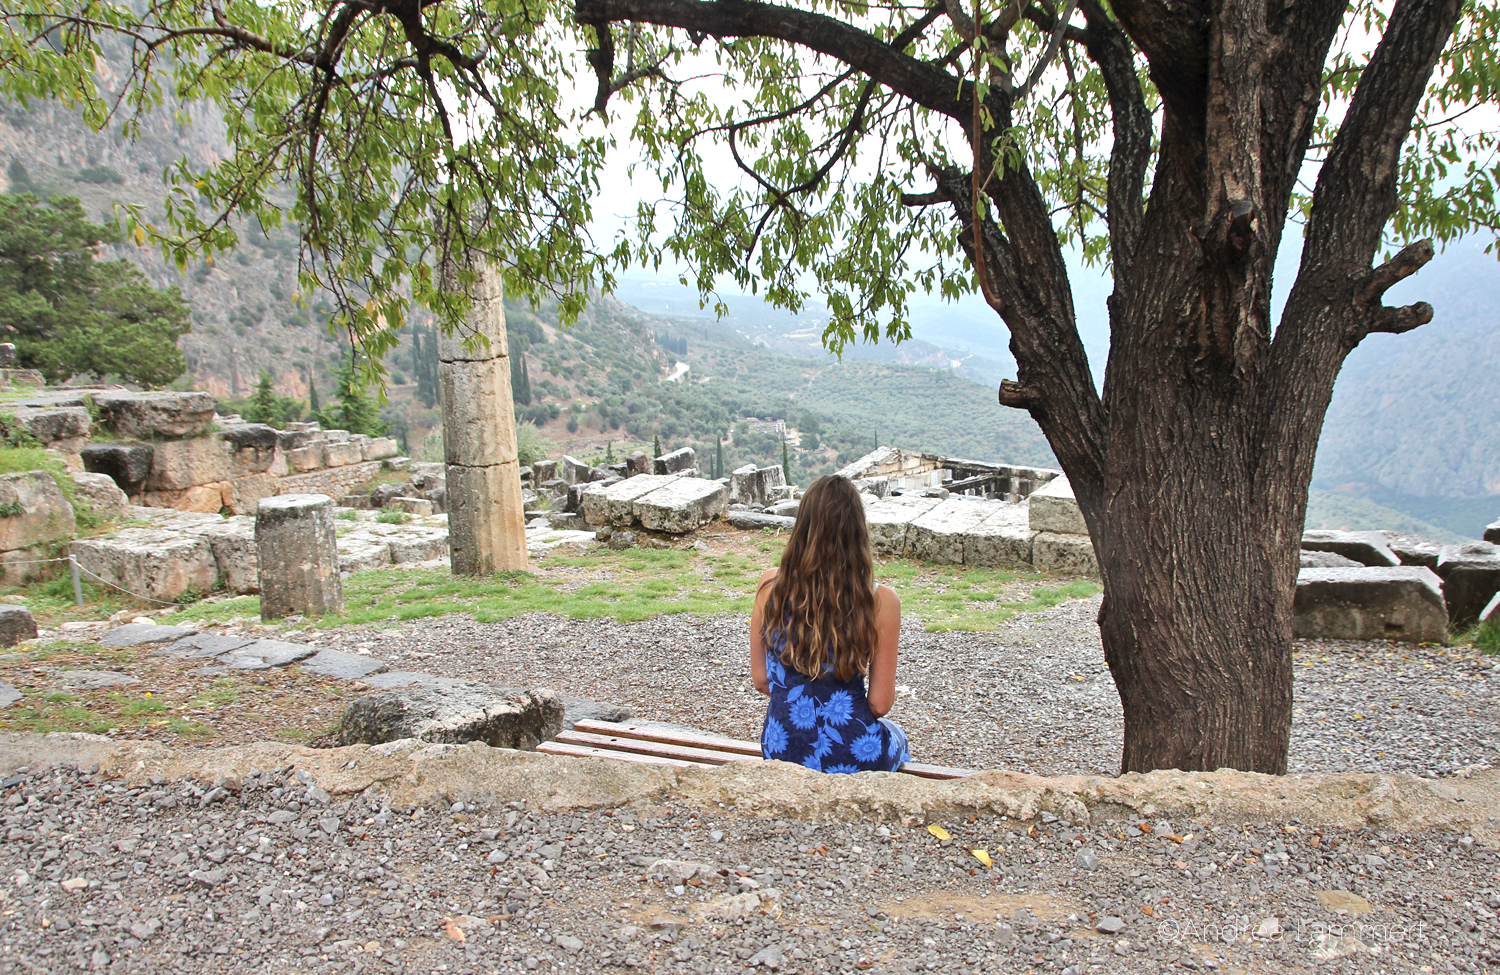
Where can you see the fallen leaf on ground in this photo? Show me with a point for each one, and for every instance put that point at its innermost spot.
(983, 856)
(939, 832)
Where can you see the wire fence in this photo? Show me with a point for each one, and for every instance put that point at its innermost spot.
(78, 583)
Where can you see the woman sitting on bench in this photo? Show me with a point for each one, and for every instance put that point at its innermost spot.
(820, 626)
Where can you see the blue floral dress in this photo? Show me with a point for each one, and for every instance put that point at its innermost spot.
(826, 724)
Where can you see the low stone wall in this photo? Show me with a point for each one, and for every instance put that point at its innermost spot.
(334, 481)
(910, 470)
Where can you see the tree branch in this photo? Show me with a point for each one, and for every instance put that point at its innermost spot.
(1173, 34)
(923, 83)
(1111, 50)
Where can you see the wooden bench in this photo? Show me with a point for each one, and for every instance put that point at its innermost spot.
(631, 742)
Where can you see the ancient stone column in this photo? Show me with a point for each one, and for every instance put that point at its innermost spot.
(298, 556)
(486, 516)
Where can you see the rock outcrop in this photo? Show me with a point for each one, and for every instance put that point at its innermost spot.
(453, 714)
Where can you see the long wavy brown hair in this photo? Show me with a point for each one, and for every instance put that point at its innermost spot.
(821, 607)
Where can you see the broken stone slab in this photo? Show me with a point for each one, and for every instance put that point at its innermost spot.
(101, 493)
(1414, 549)
(889, 519)
(546, 539)
(359, 552)
(937, 535)
(9, 694)
(156, 416)
(681, 459)
(16, 624)
(638, 462)
(58, 427)
(337, 663)
(612, 504)
(265, 654)
(140, 634)
(543, 471)
(1064, 554)
(787, 508)
(342, 454)
(380, 448)
(420, 507)
(417, 544)
(1490, 615)
(576, 709)
(89, 680)
(36, 511)
(1002, 540)
(305, 459)
(499, 717)
(128, 464)
(252, 436)
(1492, 533)
(242, 495)
(574, 471)
(755, 485)
(1370, 603)
(1054, 509)
(153, 562)
(1366, 548)
(1471, 575)
(566, 521)
(201, 498)
(751, 520)
(878, 486)
(1327, 560)
(681, 506)
(298, 557)
(232, 544)
(202, 646)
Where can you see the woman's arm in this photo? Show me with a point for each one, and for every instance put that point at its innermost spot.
(757, 649)
(882, 689)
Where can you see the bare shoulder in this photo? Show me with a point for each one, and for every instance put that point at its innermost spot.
(765, 579)
(886, 598)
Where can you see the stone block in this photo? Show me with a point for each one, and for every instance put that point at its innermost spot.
(572, 502)
(416, 543)
(1366, 548)
(1370, 603)
(379, 448)
(304, 459)
(290, 439)
(251, 436)
(342, 454)
(1414, 549)
(54, 426)
(878, 486)
(359, 551)
(638, 462)
(681, 506)
(127, 464)
(681, 459)
(150, 562)
(16, 624)
(574, 471)
(751, 520)
(1064, 554)
(889, 520)
(335, 436)
(754, 485)
(1492, 533)
(937, 535)
(205, 498)
(1490, 615)
(33, 511)
(140, 634)
(233, 546)
(1054, 509)
(101, 493)
(297, 549)
(612, 504)
(1327, 560)
(413, 506)
(22, 565)
(544, 471)
(455, 714)
(1002, 540)
(242, 494)
(177, 465)
(1471, 575)
(156, 416)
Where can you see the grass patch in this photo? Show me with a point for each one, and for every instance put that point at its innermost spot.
(184, 727)
(140, 707)
(51, 600)
(221, 694)
(218, 610)
(1485, 637)
(350, 515)
(949, 598)
(392, 516)
(47, 717)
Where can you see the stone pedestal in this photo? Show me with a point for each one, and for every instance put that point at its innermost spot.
(486, 514)
(298, 556)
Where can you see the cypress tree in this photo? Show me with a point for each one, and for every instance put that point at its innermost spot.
(719, 458)
(658, 446)
(786, 466)
(313, 406)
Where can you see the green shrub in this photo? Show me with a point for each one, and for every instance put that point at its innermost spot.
(531, 446)
(392, 516)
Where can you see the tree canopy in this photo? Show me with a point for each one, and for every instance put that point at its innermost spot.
(69, 313)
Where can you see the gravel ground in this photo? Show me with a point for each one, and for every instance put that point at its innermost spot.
(1034, 696)
(268, 876)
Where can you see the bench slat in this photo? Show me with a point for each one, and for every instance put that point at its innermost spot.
(665, 736)
(582, 751)
(732, 746)
(640, 747)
